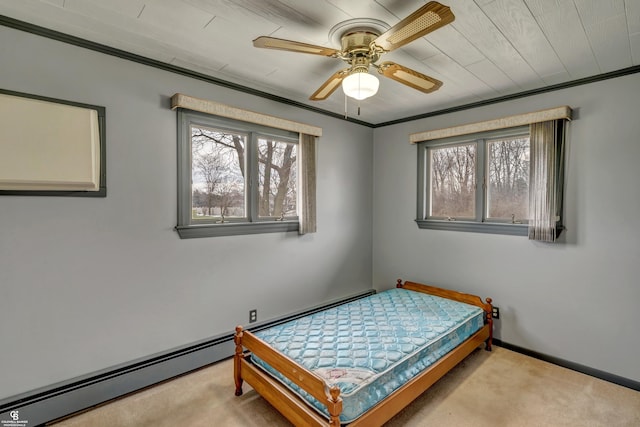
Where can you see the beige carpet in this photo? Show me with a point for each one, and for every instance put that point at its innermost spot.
(496, 389)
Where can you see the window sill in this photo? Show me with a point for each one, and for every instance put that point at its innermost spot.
(235, 229)
(475, 227)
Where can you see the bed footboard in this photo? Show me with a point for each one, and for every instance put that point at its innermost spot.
(290, 406)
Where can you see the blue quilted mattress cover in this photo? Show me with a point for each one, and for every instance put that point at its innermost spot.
(372, 346)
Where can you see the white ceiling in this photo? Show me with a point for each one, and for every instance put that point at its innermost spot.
(492, 49)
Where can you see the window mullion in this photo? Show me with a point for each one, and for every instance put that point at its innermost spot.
(481, 180)
(252, 177)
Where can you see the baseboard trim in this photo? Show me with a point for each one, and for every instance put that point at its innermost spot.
(47, 404)
(616, 379)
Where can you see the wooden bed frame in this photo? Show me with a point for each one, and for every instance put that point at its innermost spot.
(300, 413)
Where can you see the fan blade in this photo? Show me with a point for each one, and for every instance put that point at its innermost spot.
(293, 46)
(429, 17)
(409, 77)
(329, 86)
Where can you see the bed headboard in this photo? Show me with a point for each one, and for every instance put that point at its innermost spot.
(446, 293)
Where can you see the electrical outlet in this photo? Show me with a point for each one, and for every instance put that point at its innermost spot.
(253, 315)
(496, 313)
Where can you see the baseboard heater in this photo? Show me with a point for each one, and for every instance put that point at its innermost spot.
(47, 404)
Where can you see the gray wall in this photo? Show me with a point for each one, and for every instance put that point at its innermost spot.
(86, 284)
(577, 299)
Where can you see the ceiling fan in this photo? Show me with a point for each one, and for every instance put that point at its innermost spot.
(362, 45)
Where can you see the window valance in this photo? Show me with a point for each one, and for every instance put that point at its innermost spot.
(210, 107)
(563, 112)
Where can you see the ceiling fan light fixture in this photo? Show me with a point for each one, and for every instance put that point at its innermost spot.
(360, 85)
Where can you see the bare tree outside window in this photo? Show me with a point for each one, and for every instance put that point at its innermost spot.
(218, 181)
(453, 179)
(508, 183)
(277, 178)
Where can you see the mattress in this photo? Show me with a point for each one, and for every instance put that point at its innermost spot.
(372, 346)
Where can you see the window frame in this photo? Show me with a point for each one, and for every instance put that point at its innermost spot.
(480, 224)
(253, 223)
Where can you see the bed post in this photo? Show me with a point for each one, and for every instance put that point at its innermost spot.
(489, 317)
(334, 406)
(399, 283)
(237, 360)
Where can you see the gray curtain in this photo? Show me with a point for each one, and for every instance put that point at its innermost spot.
(546, 180)
(307, 184)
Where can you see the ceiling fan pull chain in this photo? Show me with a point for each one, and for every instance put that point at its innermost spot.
(345, 107)
(358, 107)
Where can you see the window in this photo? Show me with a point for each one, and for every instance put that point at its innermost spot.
(235, 177)
(477, 182)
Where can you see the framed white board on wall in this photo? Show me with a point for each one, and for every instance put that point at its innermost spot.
(51, 147)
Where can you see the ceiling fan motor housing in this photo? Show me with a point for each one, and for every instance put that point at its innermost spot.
(356, 44)
(358, 40)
